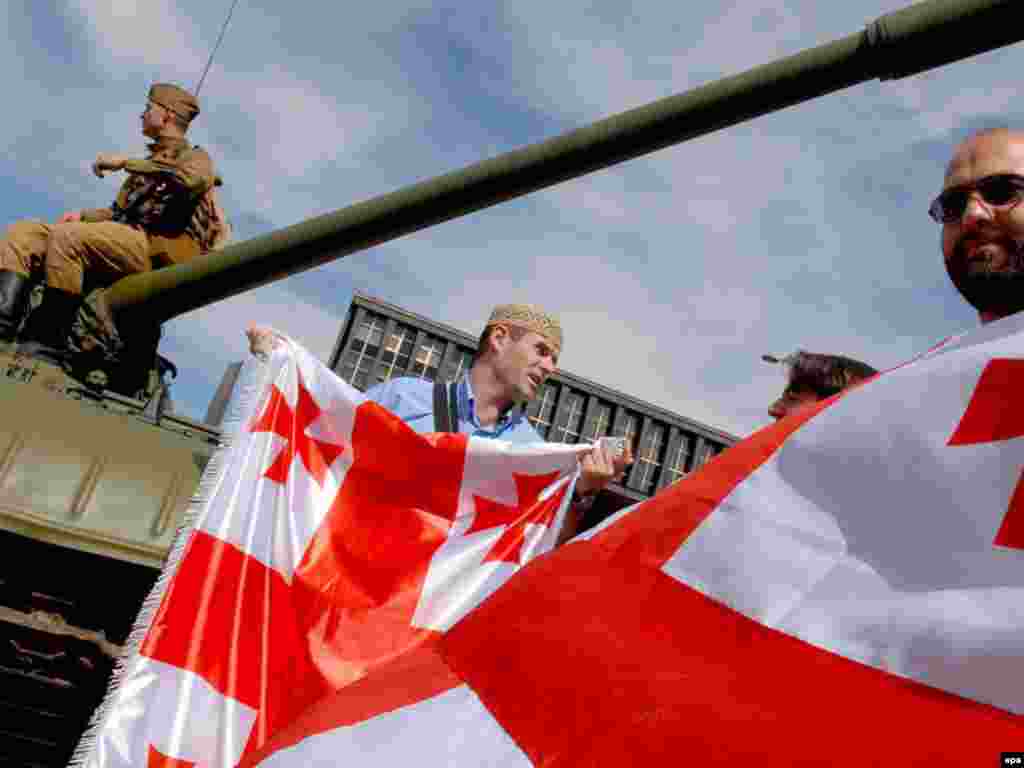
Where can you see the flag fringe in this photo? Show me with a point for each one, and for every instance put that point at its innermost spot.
(250, 384)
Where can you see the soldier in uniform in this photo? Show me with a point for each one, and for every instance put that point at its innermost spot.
(165, 213)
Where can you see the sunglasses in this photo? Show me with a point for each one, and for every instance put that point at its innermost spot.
(1000, 189)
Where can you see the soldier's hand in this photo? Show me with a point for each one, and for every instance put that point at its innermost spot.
(262, 340)
(70, 217)
(107, 161)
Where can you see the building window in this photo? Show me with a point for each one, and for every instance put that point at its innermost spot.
(361, 378)
(397, 349)
(362, 351)
(598, 424)
(650, 457)
(676, 466)
(370, 331)
(545, 407)
(568, 426)
(705, 454)
(428, 358)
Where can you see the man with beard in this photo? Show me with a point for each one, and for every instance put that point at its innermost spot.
(983, 222)
(982, 245)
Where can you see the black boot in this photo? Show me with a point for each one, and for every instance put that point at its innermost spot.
(48, 325)
(14, 293)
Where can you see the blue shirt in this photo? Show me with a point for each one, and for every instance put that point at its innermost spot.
(412, 400)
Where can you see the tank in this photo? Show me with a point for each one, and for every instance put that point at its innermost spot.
(96, 470)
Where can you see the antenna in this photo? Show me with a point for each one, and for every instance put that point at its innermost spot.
(216, 45)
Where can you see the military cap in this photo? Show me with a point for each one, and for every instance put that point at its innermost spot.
(176, 99)
(529, 317)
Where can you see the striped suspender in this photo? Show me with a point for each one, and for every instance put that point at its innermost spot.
(446, 406)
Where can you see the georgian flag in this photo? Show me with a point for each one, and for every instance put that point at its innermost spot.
(844, 587)
(333, 540)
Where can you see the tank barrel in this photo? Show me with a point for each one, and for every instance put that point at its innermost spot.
(922, 36)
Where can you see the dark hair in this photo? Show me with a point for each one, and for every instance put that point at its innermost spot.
(825, 375)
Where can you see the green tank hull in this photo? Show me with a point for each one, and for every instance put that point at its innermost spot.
(92, 489)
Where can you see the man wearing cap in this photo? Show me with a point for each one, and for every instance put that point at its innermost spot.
(164, 213)
(517, 351)
(814, 377)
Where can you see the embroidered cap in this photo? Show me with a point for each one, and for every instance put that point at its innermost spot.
(531, 318)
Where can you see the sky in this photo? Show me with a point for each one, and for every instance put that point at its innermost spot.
(672, 274)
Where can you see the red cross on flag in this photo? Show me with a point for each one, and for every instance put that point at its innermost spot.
(837, 589)
(333, 540)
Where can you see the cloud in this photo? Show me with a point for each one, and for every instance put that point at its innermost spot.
(673, 273)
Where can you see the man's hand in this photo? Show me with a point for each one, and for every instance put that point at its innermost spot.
(107, 161)
(262, 340)
(70, 217)
(600, 467)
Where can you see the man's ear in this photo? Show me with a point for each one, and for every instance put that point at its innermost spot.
(500, 337)
(166, 118)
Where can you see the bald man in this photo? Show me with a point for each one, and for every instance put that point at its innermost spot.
(983, 222)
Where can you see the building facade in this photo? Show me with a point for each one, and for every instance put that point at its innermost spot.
(380, 341)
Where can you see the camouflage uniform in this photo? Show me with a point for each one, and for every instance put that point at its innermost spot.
(165, 213)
